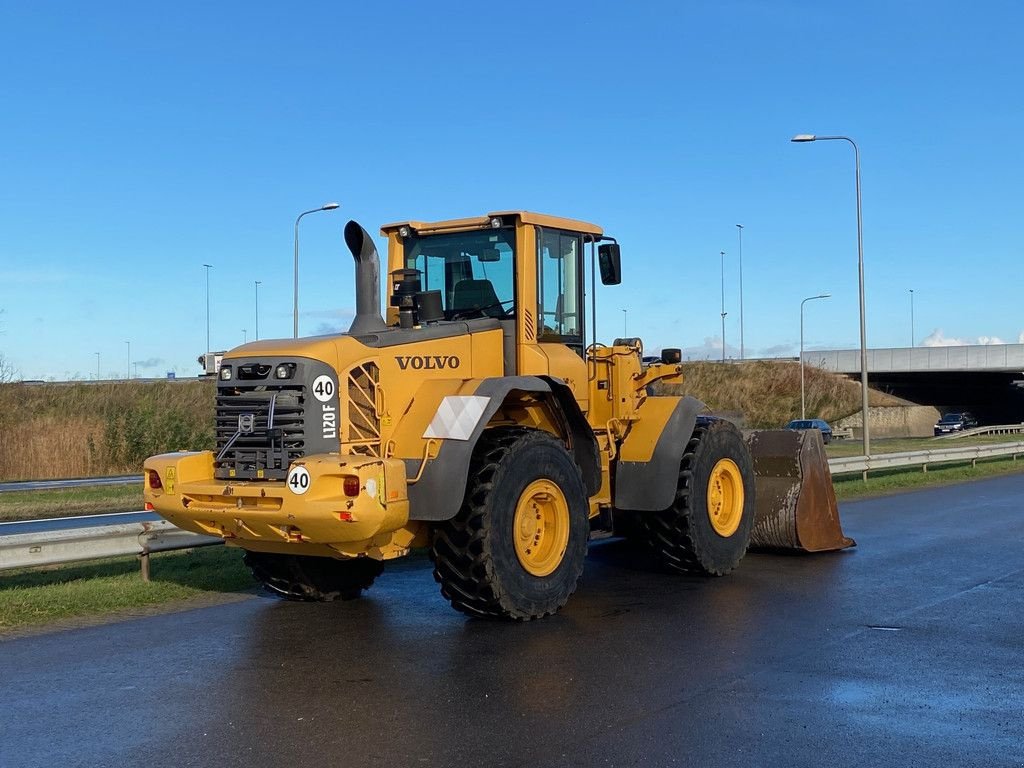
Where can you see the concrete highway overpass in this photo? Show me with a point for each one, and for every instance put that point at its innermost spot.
(986, 379)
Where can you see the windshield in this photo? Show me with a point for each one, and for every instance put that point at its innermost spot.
(472, 270)
(951, 417)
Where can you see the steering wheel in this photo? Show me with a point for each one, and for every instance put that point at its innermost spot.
(469, 312)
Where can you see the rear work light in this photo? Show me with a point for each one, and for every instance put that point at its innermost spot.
(154, 480)
(351, 486)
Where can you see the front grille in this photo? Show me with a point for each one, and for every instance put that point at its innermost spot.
(262, 454)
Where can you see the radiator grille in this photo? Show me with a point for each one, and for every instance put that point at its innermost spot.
(263, 453)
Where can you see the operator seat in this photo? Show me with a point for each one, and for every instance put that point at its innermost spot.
(470, 295)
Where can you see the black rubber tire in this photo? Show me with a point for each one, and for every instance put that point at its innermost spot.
(474, 553)
(313, 579)
(682, 536)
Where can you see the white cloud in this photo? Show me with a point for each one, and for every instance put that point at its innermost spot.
(711, 349)
(938, 339)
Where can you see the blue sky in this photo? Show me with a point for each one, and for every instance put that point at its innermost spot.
(139, 141)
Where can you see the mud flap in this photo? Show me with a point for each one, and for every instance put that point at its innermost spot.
(796, 503)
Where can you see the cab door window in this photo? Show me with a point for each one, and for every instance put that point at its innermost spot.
(559, 288)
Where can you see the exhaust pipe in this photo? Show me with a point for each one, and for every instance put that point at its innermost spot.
(368, 318)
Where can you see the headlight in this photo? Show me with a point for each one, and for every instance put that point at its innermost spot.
(284, 371)
(225, 373)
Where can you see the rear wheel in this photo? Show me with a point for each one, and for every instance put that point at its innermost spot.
(516, 548)
(313, 579)
(707, 529)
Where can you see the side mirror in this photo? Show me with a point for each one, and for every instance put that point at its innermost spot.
(610, 264)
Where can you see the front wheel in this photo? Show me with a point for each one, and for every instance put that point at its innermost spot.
(707, 529)
(313, 579)
(516, 548)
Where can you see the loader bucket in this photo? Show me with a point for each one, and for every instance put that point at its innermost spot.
(795, 502)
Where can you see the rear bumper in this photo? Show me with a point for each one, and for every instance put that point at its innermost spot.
(268, 516)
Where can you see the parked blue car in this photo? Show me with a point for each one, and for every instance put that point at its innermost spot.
(819, 424)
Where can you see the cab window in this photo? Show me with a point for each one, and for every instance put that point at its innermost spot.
(559, 288)
(473, 270)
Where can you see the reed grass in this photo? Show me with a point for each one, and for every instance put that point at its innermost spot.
(86, 430)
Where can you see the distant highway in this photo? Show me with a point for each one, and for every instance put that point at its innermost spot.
(49, 485)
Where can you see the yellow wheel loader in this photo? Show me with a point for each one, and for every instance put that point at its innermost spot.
(481, 419)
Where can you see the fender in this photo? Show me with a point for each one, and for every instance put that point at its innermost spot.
(438, 494)
(646, 480)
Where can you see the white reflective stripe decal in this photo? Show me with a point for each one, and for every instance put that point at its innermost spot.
(457, 417)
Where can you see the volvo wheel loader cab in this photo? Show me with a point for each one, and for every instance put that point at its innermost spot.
(478, 416)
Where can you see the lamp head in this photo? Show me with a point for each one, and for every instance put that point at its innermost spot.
(329, 206)
(802, 137)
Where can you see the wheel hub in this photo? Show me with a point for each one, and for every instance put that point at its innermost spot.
(541, 527)
(725, 497)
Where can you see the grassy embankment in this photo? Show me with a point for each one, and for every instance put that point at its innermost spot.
(766, 395)
(68, 502)
(46, 595)
(88, 430)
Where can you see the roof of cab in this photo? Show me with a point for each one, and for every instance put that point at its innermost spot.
(476, 222)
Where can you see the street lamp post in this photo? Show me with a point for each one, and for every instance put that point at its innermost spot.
(739, 229)
(625, 314)
(208, 268)
(128, 373)
(257, 310)
(803, 413)
(913, 338)
(804, 137)
(97, 365)
(245, 335)
(295, 303)
(724, 313)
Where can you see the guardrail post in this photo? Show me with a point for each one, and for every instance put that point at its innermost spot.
(144, 561)
(924, 468)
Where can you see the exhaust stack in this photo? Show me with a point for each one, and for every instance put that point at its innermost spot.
(368, 318)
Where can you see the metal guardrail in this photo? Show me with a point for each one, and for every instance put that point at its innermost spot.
(971, 453)
(36, 542)
(993, 429)
(95, 542)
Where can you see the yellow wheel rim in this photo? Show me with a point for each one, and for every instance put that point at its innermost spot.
(541, 527)
(725, 497)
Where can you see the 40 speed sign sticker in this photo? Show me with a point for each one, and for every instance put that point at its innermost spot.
(298, 480)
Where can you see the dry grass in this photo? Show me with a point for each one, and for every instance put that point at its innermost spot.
(764, 395)
(83, 430)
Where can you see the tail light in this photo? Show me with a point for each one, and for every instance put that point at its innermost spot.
(350, 485)
(154, 480)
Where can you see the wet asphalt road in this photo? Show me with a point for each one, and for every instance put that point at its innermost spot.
(904, 651)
